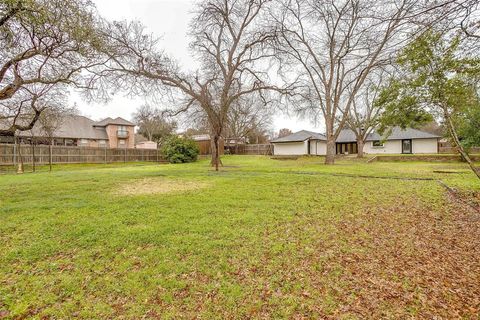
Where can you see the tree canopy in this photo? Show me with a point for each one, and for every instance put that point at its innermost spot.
(46, 48)
(437, 79)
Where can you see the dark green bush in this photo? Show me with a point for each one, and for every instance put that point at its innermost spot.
(180, 150)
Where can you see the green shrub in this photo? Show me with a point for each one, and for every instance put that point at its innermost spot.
(180, 150)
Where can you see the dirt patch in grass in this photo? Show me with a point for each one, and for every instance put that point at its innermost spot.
(148, 186)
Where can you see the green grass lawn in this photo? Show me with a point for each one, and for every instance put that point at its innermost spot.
(261, 238)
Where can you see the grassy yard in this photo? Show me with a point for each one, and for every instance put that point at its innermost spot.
(261, 239)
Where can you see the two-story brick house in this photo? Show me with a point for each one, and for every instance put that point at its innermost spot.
(81, 131)
(120, 132)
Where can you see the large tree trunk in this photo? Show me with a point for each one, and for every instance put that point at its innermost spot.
(331, 151)
(331, 143)
(216, 162)
(360, 146)
(458, 145)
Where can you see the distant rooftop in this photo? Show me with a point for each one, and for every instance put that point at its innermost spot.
(201, 137)
(72, 126)
(117, 121)
(76, 126)
(397, 133)
(348, 135)
(301, 136)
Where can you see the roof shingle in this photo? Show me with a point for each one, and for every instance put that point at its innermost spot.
(73, 126)
(301, 136)
(348, 135)
(117, 121)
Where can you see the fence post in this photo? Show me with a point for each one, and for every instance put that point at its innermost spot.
(15, 154)
(125, 150)
(105, 151)
(33, 156)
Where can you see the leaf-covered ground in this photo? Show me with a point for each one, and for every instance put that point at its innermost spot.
(260, 239)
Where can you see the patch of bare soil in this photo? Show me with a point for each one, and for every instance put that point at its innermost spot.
(415, 262)
(157, 185)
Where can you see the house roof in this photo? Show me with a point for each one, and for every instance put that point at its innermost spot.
(348, 135)
(201, 137)
(117, 121)
(397, 133)
(300, 136)
(73, 126)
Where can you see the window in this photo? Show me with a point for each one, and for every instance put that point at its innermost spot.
(122, 132)
(83, 141)
(121, 142)
(378, 144)
(102, 142)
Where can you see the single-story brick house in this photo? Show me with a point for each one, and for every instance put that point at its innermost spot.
(81, 131)
(408, 141)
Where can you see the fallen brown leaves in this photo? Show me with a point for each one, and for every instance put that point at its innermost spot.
(408, 260)
(416, 262)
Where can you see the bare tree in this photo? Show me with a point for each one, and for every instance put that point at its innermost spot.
(470, 22)
(365, 113)
(153, 124)
(228, 39)
(9, 9)
(284, 132)
(47, 45)
(334, 46)
(246, 117)
(456, 15)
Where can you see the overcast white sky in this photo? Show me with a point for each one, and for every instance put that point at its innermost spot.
(168, 19)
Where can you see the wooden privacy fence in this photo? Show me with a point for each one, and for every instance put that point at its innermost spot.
(10, 154)
(251, 149)
(452, 150)
(446, 147)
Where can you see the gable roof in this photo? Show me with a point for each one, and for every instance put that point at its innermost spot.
(117, 121)
(397, 133)
(300, 136)
(400, 134)
(201, 137)
(73, 126)
(348, 135)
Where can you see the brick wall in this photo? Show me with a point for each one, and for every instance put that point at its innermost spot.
(113, 140)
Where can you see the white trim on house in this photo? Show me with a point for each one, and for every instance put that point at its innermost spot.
(421, 143)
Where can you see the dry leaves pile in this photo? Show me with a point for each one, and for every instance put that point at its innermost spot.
(397, 262)
(418, 262)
